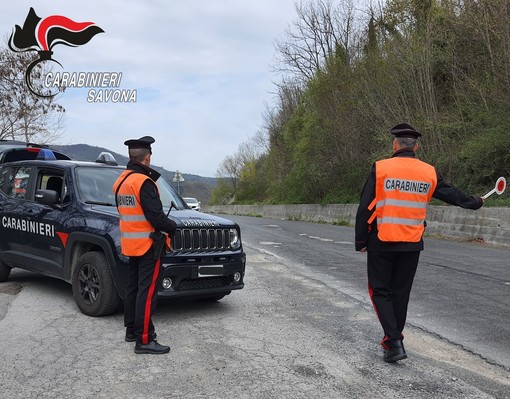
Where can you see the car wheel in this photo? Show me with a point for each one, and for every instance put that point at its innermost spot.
(4, 272)
(93, 288)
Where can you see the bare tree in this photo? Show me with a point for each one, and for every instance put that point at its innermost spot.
(320, 31)
(230, 169)
(23, 115)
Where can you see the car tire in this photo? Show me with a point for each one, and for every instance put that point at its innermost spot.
(4, 272)
(93, 288)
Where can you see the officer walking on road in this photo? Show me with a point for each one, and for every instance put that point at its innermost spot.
(142, 222)
(390, 223)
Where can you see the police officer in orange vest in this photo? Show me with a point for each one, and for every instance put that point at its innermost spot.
(142, 223)
(389, 226)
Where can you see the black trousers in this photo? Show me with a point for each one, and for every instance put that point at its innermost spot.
(141, 296)
(390, 278)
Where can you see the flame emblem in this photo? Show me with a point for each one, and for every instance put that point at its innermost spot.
(42, 35)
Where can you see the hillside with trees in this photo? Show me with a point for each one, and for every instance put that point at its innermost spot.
(350, 74)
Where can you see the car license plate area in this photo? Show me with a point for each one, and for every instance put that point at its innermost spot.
(210, 271)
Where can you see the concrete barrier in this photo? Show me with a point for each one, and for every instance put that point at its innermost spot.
(490, 225)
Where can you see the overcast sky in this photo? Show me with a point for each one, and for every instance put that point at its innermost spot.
(201, 68)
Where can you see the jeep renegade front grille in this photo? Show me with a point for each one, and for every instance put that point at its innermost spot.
(201, 240)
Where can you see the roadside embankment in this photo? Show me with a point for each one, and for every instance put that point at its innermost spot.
(490, 225)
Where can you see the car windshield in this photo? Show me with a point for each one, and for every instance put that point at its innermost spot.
(95, 187)
(190, 200)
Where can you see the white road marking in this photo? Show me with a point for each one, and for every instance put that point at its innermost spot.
(326, 239)
(269, 243)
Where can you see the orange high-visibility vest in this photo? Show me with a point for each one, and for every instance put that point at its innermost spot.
(135, 229)
(403, 190)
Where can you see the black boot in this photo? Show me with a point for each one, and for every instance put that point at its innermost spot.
(151, 348)
(395, 353)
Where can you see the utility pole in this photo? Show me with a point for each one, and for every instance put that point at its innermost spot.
(178, 178)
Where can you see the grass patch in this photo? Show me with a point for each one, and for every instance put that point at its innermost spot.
(341, 222)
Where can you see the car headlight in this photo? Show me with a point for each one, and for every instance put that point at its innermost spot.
(235, 241)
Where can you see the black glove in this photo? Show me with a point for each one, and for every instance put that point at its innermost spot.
(158, 244)
(172, 227)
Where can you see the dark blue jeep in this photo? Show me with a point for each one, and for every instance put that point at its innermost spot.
(58, 217)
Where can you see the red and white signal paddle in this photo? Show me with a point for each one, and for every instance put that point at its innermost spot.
(498, 189)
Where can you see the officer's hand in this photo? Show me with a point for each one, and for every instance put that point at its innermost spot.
(172, 228)
(364, 249)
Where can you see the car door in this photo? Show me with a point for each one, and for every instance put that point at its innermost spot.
(33, 233)
(15, 189)
(47, 233)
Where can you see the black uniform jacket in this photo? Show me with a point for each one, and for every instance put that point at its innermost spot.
(149, 199)
(365, 238)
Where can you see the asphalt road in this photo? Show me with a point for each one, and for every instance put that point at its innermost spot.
(301, 328)
(461, 291)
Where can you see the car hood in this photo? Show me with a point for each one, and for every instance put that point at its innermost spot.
(192, 218)
(183, 218)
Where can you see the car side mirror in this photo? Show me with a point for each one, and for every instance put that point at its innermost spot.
(46, 197)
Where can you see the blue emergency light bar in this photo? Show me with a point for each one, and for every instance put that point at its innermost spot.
(46, 155)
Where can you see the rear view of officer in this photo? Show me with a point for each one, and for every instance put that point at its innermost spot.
(141, 222)
(390, 223)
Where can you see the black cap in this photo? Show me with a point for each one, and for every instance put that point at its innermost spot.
(142, 142)
(405, 130)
